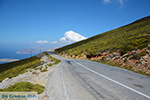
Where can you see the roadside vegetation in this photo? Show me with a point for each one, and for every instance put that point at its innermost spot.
(25, 87)
(13, 69)
(52, 59)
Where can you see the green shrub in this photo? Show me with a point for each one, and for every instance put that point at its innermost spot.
(56, 61)
(103, 58)
(44, 70)
(41, 67)
(143, 53)
(39, 88)
(50, 64)
(137, 56)
(25, 87)
(125, 60)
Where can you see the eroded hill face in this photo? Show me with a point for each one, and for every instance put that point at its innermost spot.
(127, 46)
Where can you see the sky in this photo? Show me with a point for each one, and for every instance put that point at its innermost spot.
(54, 23)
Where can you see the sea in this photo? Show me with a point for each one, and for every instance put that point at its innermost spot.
(11, 54)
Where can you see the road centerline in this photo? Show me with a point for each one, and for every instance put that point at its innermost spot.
(113, 81)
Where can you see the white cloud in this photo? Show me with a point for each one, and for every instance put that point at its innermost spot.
(42, 42)
(110, 1)
(71, 36)
(107, 1)
(68, 38)
(54, 42)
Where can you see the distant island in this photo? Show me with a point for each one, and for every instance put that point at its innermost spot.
(8, 60)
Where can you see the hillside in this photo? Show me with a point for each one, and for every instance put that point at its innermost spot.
(36, 62)
(127, 47)
(126, 38)
(15, 68)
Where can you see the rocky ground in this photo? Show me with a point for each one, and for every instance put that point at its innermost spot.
(136, 60)
(32, 75)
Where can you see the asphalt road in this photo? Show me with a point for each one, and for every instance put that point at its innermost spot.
(87, 80)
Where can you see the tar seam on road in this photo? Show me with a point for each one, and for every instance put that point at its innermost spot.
(64, 86)
(114, 81)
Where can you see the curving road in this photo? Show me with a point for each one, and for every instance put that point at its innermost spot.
(87, 80)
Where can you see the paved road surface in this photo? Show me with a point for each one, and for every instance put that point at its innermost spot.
(86, 80)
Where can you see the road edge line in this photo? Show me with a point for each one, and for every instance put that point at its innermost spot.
(114, 81)
(64, 86)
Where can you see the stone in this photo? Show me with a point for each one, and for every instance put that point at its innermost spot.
(145, 64)
(147, 51)
(148, 46)
(5, 80)
(111, 56)
(133, 52)
(148, 72)
(116, 54)
(125, 55)
(29, 70)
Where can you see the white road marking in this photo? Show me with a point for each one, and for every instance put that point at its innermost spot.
(64, 86)
(114, 81)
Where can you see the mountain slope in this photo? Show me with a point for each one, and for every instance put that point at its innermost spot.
(126, 38)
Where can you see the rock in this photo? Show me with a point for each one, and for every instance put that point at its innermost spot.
(125, 55)
(129, 52)
(148, 46)
(123, 64)
(35, 72)
(84, 57)
(29, 70)
(142, 60)
(5, 80)
(146, 58)
(115, 58)
(148, 72)
(110, 56)
(147, 51)
(133, 52)
(145, 64)
(73, 56)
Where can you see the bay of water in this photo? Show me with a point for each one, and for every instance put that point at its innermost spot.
(11, 54)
